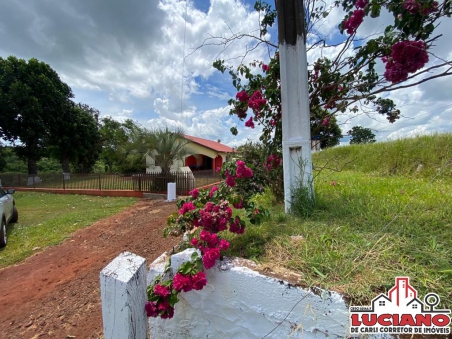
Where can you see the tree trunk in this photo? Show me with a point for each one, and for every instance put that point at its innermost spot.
(32, 167)
(65, 165)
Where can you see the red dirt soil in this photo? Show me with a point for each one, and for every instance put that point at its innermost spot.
(56, 292)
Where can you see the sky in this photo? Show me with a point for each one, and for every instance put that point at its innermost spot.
(141, 60)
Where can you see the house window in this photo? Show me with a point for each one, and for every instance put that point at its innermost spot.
(414, 306)
(381, 303)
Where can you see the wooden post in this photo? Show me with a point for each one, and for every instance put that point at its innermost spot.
(296, 131)
(123, 293)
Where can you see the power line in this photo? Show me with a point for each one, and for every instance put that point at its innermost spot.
(437, 109)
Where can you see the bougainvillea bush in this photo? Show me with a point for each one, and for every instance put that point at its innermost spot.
(357, 79)
(202, 217)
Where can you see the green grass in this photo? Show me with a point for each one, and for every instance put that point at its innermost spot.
(419, 157)
(366, 228)
(47, 219)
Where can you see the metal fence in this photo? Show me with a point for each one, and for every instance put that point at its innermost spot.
(153, 182)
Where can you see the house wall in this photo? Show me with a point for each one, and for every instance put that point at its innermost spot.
(218, 162)
(218, 158)
(151, 168)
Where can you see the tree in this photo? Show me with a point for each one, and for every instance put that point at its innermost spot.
(351, 77)
(2, 158)
(166, 147)
(32, 100)
(75, 139)
(122, 145)
(361, 135)
(113, 137)
(324, 127)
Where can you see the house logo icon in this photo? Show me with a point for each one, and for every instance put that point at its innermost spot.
(401, 312)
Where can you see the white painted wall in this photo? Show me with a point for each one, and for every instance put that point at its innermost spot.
(152, 168)
(241, 303)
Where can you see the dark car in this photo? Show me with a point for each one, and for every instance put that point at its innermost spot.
(8, 213)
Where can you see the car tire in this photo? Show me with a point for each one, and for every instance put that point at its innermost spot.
(15, 217)
(3, 233)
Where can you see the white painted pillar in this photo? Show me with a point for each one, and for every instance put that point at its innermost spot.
(123, 293)
(296, 131)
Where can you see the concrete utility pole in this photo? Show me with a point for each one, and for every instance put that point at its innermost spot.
(296, 131)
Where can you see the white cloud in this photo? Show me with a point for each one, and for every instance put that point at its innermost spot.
(128, 61)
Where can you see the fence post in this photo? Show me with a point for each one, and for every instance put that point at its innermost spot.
(123, 293)
(100, 184)
(139, 182)
(64, 183)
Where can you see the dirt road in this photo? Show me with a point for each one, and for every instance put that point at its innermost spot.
(55, 293)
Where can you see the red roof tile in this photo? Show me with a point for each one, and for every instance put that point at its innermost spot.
(216, 146)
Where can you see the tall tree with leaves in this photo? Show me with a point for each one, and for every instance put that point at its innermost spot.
(113, 138)
(32, 100)
(361, 135)
(75, 139)
(122, 145)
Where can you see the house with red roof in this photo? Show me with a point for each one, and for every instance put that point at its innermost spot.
(205, 155)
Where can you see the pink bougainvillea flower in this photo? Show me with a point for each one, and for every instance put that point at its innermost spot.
(257, 101)
(213, 190)
(223, 245)
(249, 122)
(168, 314)
(210, 257)
(238, 205)
(326, 122)
(265, 67)
(230, 181)
(182, 282)
(236, 226)
(406, 57)
(360, 4)
(199, 280)
(353, 22)
(151, 309)
(273, 161)
(168, 311)
(194, 193)
(188, 206)
(162, 291)
(242, 96)
(412, 6)
(242, 171)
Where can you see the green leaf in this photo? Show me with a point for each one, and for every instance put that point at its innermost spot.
(173, 299)
(375, 10)
(194, 256)
(185, 268)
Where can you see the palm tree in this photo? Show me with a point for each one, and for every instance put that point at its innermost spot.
(166, 147)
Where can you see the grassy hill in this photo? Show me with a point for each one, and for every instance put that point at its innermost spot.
(386, 213)
(421, 157)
